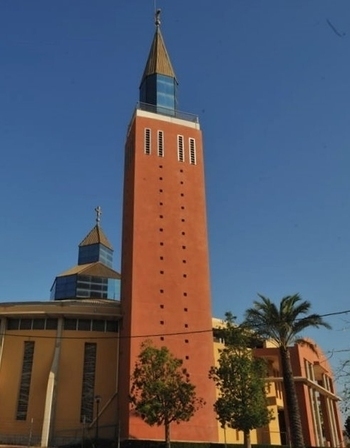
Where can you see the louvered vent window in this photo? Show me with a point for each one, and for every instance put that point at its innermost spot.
(160, 144)
(147, 141)
(180, 148)
(22, 406)
(87, 396)
(192, 151)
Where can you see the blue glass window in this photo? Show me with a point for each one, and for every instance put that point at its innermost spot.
(95, 252)
(64, 287)
(160, 91)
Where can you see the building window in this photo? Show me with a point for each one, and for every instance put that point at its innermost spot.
(87, 396)
(160, 144)
(26, 376)
(51, 324)
(70, 324)
(39, 324)
(32, 324)
(147, 147)
(13, 324)
(180, 148)
(112, 326)
(84, 324)
(192, 151)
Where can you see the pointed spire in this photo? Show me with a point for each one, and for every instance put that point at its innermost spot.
(158, 89)
(96, 234)
(158, 61)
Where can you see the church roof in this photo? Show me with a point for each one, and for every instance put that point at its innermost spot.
(96, 236)
(96, 269)
(158, 61)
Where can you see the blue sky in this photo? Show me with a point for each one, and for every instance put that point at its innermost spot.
(270, 81)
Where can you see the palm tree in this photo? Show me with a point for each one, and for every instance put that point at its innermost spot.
(283, 325)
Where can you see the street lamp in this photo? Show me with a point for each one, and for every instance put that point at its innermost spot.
(97, 401)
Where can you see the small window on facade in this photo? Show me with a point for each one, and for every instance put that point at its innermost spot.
(112, 325)
(98, 325)
(26, 324)
(160, 144)
(84, 324)
(13, 324)
(180, 148)
(70, 324)
(51, 324)
(192, 151)
(38, 324)
(147, 148)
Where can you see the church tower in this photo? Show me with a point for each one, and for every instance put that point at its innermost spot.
(165, 289)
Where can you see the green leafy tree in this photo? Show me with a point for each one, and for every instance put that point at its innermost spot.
(347, 426)
(240, 379)
(161, 391)
(283, 325)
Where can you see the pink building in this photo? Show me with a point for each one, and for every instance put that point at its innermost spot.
(317, 399)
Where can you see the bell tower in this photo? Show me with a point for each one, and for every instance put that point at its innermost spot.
(165, 290)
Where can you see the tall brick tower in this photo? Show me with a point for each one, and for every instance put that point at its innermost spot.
(165, 291)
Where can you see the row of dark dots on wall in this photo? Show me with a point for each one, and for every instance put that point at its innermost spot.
(183, 233)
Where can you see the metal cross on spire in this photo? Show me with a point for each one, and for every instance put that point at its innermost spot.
(157, 20)
(98, 211)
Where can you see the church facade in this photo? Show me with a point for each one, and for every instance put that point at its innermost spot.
(65, 364)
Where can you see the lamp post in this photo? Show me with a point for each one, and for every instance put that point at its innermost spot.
(97, 401)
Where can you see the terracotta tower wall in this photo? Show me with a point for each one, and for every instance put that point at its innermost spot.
(165, 268)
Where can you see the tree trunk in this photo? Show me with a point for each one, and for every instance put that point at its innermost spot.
(291, 405)
(247, 441)
(167, 434)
